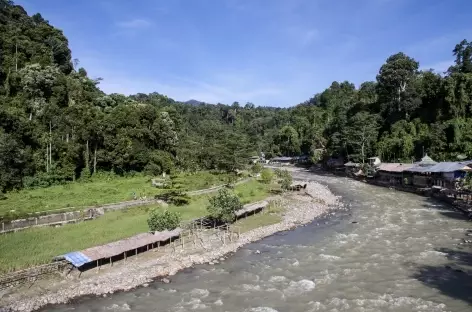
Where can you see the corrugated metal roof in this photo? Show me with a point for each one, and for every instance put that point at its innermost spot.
(419, 169)
(394, 167)
(281, 159)
(351, 164)
(442, 167)
(252, 207)
(449, 167)
(79, 258)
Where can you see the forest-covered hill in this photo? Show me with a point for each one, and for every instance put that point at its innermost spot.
(57, 125)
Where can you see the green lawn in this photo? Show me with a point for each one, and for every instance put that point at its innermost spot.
(39, 245)
(82, 194)
(255, 221)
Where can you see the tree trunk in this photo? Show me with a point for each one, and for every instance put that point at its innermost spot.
(95, 159)
(50, 144)
(87, 156)
(47, 158)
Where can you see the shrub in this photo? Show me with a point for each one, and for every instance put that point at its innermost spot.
(267, 175)
(286, 179)
(257, 168)
(175, 197)
(278, 173)
(223, 206)
(163, 220)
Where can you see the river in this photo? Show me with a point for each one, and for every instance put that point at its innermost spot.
(391, 251)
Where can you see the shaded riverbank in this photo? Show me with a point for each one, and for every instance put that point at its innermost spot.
(302, 210)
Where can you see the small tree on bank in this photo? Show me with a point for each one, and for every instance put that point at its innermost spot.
(286, 179)
(223, 206)
(267, 175)
(163, 220)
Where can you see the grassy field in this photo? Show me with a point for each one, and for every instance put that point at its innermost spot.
(253, 222)
(39, 245)
(103, 191)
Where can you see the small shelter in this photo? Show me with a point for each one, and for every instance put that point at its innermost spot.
(352, 167)
(120, 249)
(426, 161)
(393, 173)
(281, 160)
(422, 172)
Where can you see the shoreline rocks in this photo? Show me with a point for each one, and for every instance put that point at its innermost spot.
(302, 210)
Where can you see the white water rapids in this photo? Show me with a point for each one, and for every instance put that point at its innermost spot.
(392, 251)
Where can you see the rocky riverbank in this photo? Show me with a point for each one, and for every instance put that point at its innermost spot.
(301, 209)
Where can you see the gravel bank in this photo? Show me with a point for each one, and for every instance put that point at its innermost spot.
(301, 210)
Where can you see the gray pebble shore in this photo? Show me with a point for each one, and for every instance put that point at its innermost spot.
(300, 210)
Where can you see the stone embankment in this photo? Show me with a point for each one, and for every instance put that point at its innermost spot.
(300, 210)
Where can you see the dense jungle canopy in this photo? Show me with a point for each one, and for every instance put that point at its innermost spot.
(56, 125)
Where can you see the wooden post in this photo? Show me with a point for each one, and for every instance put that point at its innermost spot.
(98, 266)
(136, 252)
(124, 255)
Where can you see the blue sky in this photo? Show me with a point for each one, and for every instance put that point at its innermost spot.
(269, 52)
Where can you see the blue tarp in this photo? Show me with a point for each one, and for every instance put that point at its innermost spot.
(77, 258)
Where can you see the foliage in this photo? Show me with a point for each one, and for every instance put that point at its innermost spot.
(163, 220)
(39, 245)
(285, 179)
(175, 197)
(223, 206)
(257, 168)
(57, 126)
(267, 175)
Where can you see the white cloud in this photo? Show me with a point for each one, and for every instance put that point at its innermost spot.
(135, 24)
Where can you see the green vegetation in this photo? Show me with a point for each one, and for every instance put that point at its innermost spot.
(267, 175)
(98, 191)
(39, 245)
(163, 220)
(256, 221)
(223, 205)
(285, 178)
(58, 126)
(257, 168)
(175, 197)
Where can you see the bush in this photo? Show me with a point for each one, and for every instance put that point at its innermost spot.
(286, 179)
(267, 175)
(175, 197)
(257, 168)
(223, 206)
(163, 220)
(278, 173)
(159, 162)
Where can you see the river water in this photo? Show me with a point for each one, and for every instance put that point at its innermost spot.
(391, 251)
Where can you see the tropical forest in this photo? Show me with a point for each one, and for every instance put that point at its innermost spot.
(57, 126)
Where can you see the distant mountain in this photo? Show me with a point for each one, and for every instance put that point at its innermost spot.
(194, 102)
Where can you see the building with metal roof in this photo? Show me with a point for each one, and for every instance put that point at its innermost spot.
(121, 247)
